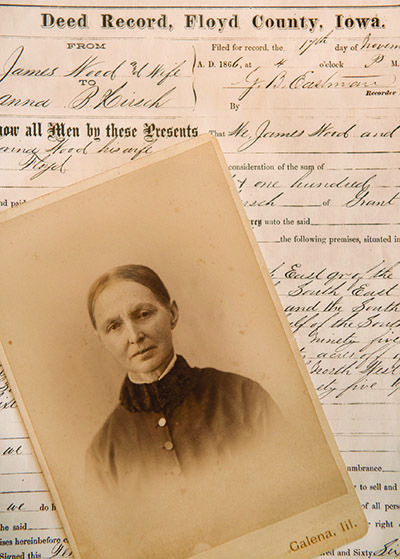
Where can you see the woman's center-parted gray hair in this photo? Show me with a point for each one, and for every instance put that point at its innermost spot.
(130, 272)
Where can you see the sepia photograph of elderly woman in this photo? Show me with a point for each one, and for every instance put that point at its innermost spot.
(172, 418)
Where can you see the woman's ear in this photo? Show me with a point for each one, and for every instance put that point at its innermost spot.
(174, 314)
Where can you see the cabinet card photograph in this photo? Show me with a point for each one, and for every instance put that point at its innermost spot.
(155, 370)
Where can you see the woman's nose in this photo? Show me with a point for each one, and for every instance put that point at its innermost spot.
(134, 333)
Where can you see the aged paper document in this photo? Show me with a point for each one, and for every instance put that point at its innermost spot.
(304, 103)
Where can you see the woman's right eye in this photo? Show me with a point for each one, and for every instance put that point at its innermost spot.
(113, 326)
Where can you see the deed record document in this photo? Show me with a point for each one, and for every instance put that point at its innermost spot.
(304, 103)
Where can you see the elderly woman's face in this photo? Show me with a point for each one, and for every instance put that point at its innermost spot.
(136, 328)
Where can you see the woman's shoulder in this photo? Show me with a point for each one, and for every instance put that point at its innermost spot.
(227, 380)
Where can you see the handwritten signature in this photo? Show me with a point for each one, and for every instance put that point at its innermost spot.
(263, 130)
(60, 550)
(389, 549)
(10, 67)
(306, 80)
(43, 164)
(94, 97)
(58, 155)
